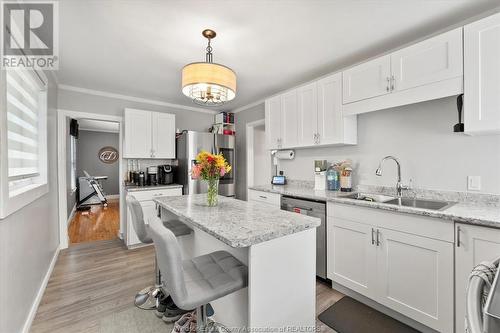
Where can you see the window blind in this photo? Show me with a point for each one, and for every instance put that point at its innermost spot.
(23, 106)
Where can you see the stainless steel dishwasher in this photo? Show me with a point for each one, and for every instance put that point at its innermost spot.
(316, 209)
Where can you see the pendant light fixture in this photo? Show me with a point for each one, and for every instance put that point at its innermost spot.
(208, 83)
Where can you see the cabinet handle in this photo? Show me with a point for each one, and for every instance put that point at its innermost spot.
(387, 88)
(458, 236)
(393, 81)
(318, 138)
(373, 236)
(262, 196)
(378, 237)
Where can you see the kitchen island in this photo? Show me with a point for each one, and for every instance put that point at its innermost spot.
(278, 247)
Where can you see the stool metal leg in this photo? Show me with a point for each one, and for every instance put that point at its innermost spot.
(201, 318)
(146, 299)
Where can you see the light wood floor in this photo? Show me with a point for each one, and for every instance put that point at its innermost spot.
(98, 223)
(93, 280)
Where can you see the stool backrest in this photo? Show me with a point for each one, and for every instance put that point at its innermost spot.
(169, 258)
(138, 219)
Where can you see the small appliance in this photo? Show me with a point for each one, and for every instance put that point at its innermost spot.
(152, 179)
(165, 174)
(320, 174)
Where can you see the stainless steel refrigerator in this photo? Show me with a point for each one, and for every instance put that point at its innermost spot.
(189, 144)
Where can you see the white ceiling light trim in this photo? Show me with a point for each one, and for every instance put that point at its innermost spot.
(132, 98)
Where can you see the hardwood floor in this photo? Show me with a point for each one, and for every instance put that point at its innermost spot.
(93, 280)
(99, 223)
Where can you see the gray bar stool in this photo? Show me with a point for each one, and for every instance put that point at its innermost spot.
(195, 282)
(145, 299)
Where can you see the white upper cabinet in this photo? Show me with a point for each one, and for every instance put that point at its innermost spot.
(367, 80)
(273, 122)
(290, 119)
(137, 139)
(333, 127)
(308, 115)
(149, 134)
(163, 135)
(424, 71)
(482, 76)
(432, 60)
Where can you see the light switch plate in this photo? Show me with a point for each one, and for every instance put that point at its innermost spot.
(474, 183)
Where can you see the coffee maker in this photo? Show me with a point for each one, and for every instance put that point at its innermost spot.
(165, 174)
(152, 173)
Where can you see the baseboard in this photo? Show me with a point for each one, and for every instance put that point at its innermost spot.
(113, 197)
(39, 295)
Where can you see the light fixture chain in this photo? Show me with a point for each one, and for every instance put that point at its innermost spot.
(209, 52)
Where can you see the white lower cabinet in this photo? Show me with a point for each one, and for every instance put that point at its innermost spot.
(474, 244)
(382, 255)
(415, 277)
(145, 198)
(353, 263)
(271, 199)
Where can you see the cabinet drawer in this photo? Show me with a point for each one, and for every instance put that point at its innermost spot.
(265, 197)
(148, 195)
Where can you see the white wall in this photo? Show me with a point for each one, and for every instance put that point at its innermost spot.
(28, 241)
(241, 119)
(421, 136)
(262, 157)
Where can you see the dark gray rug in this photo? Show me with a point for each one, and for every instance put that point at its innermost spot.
(351, 316)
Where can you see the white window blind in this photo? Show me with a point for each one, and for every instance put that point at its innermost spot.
(24, 98)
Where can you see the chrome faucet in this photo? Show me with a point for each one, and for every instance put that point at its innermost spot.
(399, 186)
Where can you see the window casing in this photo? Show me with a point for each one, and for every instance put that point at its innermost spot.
(73, 162)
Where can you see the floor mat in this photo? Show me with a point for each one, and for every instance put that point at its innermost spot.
(351, 316)
(133, 320)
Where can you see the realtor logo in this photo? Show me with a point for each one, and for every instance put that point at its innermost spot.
(29, 35)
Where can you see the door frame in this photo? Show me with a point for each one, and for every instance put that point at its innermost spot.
(250, 129)
(61, 168)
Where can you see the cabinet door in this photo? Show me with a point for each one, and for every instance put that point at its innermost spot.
(138, 133)
(163, 135)
(482, 76)
(367, 80)
(308, 114)
(351, 255)
(473, 244)
(330, 119)
(415, 278)
(289, 119)
(432, 60)
(273, 122)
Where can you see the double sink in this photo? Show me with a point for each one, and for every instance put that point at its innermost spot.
(405, 202)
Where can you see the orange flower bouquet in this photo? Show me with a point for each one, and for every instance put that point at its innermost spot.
(210, 168)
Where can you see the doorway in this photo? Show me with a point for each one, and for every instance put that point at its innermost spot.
(258, 156)
(90, 177)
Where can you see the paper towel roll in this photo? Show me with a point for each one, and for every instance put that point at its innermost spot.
(285, 154)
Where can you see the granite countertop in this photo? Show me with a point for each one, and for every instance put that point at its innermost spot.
(235, 222)
(133, 188)
(478, 209)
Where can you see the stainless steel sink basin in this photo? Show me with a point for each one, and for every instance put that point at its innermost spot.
(369, 197)
(420, 203)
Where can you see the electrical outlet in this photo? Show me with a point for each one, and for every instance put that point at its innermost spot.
(474, 183)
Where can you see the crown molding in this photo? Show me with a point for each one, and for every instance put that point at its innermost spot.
(132, 98)
(248, 106)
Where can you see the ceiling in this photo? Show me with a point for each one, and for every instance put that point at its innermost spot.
(138, 48)
(98, 125)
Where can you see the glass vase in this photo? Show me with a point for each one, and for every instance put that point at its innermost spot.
(213, 192)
